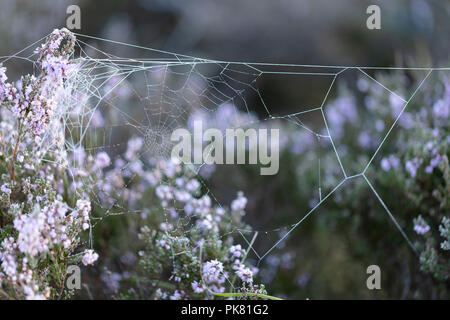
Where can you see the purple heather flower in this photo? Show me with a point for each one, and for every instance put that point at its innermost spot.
(379, 125)
(397, 105)
(421, 229)
(236, 251)
(341, 111)
(364, 140)
(441, 109)
(102, 160)
(434, 162)
(385, 165)
(89, 257)
(420, 226)
(413, 165)
(362, 84)
(244, 273)
(391, 162)
(212, 272)
(239, 203)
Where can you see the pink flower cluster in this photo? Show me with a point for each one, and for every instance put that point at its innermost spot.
(33, 100)
(214, 275)
(241, 270)
(40, 232)
(7, 91)
(24, 278)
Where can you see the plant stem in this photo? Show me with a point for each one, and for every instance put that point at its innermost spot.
(248, 294)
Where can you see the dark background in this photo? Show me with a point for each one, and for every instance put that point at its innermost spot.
(285, 31)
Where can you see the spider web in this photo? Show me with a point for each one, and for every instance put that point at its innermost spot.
(164, 91)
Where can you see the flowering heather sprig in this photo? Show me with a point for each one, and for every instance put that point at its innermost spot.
(7, 91)
(60, 43)
(420, 226)
(244, 273)
(39, 230)
(89, 257)
(182, 199)
(34, 99)
(212, 272)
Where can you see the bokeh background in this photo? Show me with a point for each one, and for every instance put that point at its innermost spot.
(324, 261)
(307, 32)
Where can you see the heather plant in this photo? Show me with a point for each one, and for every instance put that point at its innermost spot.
(410, 174)
(188, 248)
(415, 161)
(41, 217)
(204, 261)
